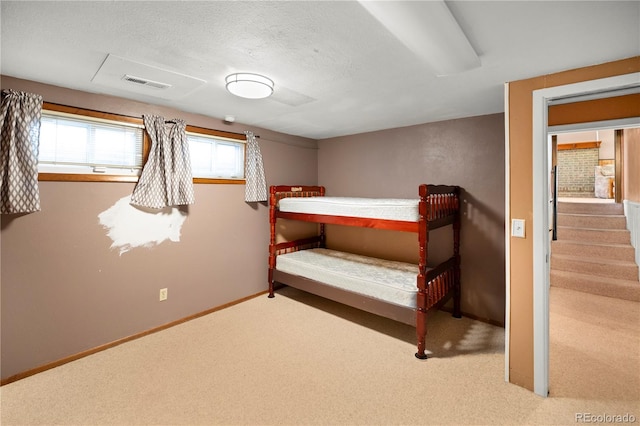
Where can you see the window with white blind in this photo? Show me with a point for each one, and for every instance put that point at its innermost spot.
(78, 144)
(87, 145)
(215, 157)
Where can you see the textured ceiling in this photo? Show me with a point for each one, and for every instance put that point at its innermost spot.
(337, 70)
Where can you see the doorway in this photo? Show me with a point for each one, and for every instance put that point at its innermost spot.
(585, 165)
(541, 195)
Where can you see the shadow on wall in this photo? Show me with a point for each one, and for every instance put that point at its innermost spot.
(482, 250)
(255, 205)
(8, 218)
(490, 224)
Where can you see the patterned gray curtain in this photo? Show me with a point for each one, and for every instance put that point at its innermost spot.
(20, 135)
(166, 179)
(256, 185)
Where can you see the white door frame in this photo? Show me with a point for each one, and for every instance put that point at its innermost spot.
(541, 243)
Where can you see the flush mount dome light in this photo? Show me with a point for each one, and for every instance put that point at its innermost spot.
(251, 86)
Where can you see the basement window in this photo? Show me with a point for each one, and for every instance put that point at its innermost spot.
(216, 156)
(89, 146)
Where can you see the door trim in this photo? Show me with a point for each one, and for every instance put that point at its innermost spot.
(541, 243)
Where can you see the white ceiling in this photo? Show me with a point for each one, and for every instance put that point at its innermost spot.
(337, 70)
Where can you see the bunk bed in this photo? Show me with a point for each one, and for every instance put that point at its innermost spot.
(397, 290)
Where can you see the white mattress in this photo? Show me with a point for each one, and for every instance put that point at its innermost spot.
(387, 280)
(373, 208)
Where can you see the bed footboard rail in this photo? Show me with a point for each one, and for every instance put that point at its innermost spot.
(433, 287)
(440, 282)
(439, 206)
(443, 203)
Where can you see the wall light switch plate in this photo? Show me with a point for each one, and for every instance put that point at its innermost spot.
(517, 228)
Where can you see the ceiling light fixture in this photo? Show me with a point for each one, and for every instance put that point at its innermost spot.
(429, 30)
(250, 86)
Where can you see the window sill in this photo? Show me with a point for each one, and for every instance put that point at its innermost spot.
(219, 181)
(72, 177)
(69, 177)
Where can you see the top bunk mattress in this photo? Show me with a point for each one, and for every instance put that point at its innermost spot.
(370, 208)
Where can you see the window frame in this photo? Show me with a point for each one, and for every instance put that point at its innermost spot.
(228, 135)
(146, 146)
(95, 177)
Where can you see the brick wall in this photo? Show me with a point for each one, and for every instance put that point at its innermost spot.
(576, 168)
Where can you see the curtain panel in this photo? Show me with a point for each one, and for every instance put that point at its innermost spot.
(20, 114)
(166, 179)
(255, 189)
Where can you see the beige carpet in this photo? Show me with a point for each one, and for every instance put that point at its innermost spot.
(297, 359)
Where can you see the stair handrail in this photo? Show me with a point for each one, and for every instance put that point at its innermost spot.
(554, 233)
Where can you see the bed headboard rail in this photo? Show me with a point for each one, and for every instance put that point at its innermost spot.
(278, 192)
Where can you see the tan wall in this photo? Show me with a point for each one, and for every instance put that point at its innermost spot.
(521, 197)
(392, 163)
(632, 165)
(613, 108)
(64, 291)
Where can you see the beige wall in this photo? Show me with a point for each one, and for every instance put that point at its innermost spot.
(521, 198)
(64, 291)
(610, 108)
(606, 136)
(392, 163)
(631, 155)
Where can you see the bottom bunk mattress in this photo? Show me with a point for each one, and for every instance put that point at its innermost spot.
(390, 281)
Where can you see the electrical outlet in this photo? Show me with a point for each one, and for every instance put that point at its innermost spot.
(164, 293)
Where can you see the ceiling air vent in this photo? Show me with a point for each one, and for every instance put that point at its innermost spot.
(137, 78)
(145, 82)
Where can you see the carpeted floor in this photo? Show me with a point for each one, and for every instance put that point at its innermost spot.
(298, 359)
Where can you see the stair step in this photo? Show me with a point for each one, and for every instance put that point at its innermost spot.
(612, 268)
(591, 208)
(610, 287)
(623, 252)
(617, 236)
(603, 221)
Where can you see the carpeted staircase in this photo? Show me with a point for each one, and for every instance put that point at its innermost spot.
(593, 252)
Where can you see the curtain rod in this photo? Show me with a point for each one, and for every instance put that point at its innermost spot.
(70, 108)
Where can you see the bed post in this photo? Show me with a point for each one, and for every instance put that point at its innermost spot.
(456, 254)
(323, 238)
(272, 242)
(421, 303)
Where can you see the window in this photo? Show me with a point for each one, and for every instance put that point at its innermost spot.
(79, 145)
(89, 145)
(215, 157)
(86, 145)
